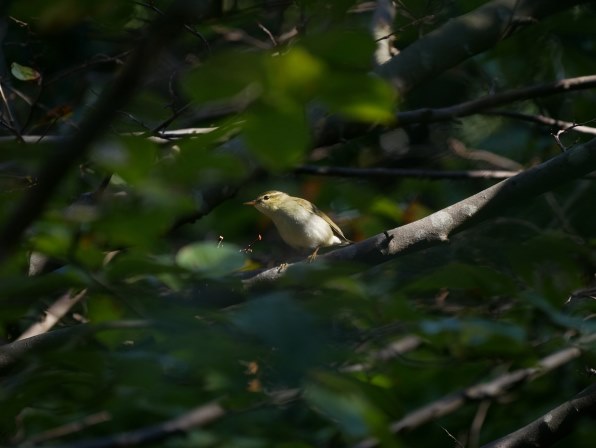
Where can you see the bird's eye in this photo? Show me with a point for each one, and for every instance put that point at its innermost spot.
(266, 197)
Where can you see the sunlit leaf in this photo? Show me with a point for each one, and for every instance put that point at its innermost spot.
(297, 73)
(24, 73)
(210, 259)
(361, 97)
(226, 76)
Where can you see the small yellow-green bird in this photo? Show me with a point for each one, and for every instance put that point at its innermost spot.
(299, 222)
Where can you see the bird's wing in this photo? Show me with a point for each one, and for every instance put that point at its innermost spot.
(336, 230)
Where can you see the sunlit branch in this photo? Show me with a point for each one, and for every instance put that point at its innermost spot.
(195, 418)
(438, 227)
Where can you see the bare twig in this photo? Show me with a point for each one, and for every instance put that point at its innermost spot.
(96, 60)
(498, 161)
(393, 350)
(197, 417)
(68, 429)
(566, 126)
(53, 314)
(188, 28)
(479, 417)
(159, 137)
(12, 124)
(268, 33)
(396, 172)
(483, 104)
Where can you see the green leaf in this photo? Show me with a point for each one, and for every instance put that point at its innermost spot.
(282, 323)
(343, 50)
(132, 158)
(348, 405)
(225, 76)
(278, 136)
(295, 73)
(360, 96)
(477, 335)
(200, 165)
(210, 259)
(464, 276)
(24, 73)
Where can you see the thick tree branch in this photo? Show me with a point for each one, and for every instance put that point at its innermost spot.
(463, 37)
(438, 227)
(60, 162)
(553, 426)
(382, 29)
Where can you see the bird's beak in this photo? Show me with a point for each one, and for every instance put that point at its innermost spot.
(250, 203)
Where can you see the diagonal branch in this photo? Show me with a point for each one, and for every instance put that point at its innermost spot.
(565, 126)
(197, 417)
(12, 353)
(438, 227)
(463, 37)
(488, 390)
(554, 425)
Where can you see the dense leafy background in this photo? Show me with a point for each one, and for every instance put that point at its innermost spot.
(170, 325)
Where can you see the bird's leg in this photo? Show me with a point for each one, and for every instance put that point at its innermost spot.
(312, 256)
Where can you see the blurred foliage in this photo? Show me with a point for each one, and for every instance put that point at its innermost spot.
(263, 80)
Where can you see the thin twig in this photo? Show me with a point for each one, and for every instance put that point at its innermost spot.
(195, 418)
(481, 105)
(97, 60)
(477, 422)
(12, 122)
(566, 126)
(68, 429)
(188, 28)
(397, 172)
(268, 33)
